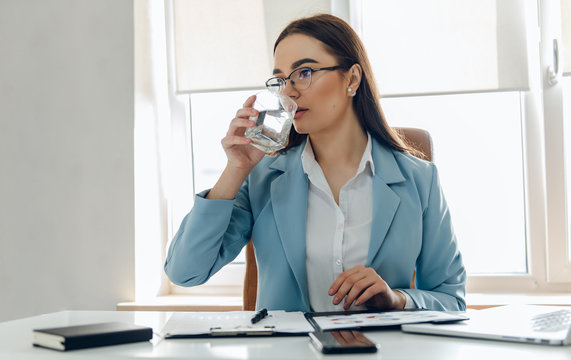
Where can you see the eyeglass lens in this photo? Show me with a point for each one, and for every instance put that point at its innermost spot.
(300, 79)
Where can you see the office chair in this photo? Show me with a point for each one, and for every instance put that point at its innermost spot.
(418, 139)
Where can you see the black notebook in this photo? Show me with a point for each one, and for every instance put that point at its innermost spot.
(91, 335)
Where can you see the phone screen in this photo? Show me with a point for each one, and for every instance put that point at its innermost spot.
(343, 341)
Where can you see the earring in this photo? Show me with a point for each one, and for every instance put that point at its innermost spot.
(352, 94)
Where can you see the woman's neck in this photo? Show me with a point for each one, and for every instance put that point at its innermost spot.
(342, 146)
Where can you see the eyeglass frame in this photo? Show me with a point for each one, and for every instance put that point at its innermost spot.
(312, 70)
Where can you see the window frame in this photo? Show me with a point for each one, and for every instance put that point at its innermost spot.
(557, 246)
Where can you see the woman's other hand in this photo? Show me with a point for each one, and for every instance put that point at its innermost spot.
(362, 285)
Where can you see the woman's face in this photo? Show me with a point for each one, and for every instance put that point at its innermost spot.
(323, 106)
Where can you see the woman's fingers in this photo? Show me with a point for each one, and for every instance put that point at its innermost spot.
(359, 285)
(238, 124)
(250, 101)
(347, 285)
(357, 289)
(341, 278)
(347, 280)
(231, 140)
(242, 120)
(233, 143)
(370, 292)
(246, 112)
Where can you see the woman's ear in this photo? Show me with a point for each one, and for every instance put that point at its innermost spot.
(354, 76)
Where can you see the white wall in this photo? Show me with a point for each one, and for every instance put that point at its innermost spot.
(66, 155)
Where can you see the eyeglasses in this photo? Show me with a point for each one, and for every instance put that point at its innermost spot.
(300, 78)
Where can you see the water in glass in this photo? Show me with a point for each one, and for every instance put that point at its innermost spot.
(273, 123)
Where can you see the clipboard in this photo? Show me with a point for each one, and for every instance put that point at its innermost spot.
(235, 324)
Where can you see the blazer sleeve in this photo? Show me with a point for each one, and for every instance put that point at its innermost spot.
(209, 237)
(440, 280)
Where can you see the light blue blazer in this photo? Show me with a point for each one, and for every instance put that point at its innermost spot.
(411, 229)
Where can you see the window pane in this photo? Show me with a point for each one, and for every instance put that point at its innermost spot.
(211, 114)
(478, 149)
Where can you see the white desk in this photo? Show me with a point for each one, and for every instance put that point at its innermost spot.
(16, 343)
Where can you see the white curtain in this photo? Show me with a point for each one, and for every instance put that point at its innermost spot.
(220, 44)
(161, 147)
(446, 46)
(416, 46)
(228, 45)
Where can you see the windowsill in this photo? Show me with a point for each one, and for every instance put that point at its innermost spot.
(184, 303)
(485, 300)
(234, 303)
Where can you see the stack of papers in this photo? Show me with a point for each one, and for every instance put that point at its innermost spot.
(390, 318)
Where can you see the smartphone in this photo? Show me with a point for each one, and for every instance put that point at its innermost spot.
(342, 342)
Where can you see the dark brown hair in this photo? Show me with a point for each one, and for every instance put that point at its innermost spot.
(344, 44)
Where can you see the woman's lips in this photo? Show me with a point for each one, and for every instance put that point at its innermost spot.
(299, 113)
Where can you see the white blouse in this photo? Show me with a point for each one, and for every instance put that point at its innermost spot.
(337, 236)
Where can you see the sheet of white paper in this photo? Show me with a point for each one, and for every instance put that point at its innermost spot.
(195, 323)
(332, 322)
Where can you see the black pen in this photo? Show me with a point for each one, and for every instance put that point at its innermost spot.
(260, 315)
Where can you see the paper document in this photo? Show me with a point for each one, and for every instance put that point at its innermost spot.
(198, 323)
(332, 322)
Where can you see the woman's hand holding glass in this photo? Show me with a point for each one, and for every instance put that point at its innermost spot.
(241, 155)
(362, 285)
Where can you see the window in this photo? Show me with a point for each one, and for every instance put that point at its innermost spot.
(481, 91)
(472, 75)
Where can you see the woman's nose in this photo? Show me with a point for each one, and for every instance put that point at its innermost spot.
(290, 90)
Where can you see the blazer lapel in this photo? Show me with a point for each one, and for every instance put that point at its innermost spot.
(385, 200)
(289, 202)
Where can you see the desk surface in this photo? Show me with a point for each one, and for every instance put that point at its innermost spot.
(16, 343)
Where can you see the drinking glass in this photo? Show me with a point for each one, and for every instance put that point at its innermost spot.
(273, 123)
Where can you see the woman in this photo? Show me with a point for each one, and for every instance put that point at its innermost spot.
(343, 216)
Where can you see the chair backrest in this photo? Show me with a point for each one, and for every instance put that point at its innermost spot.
(418, 139)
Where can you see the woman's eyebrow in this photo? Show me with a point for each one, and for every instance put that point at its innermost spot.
(297, 63)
